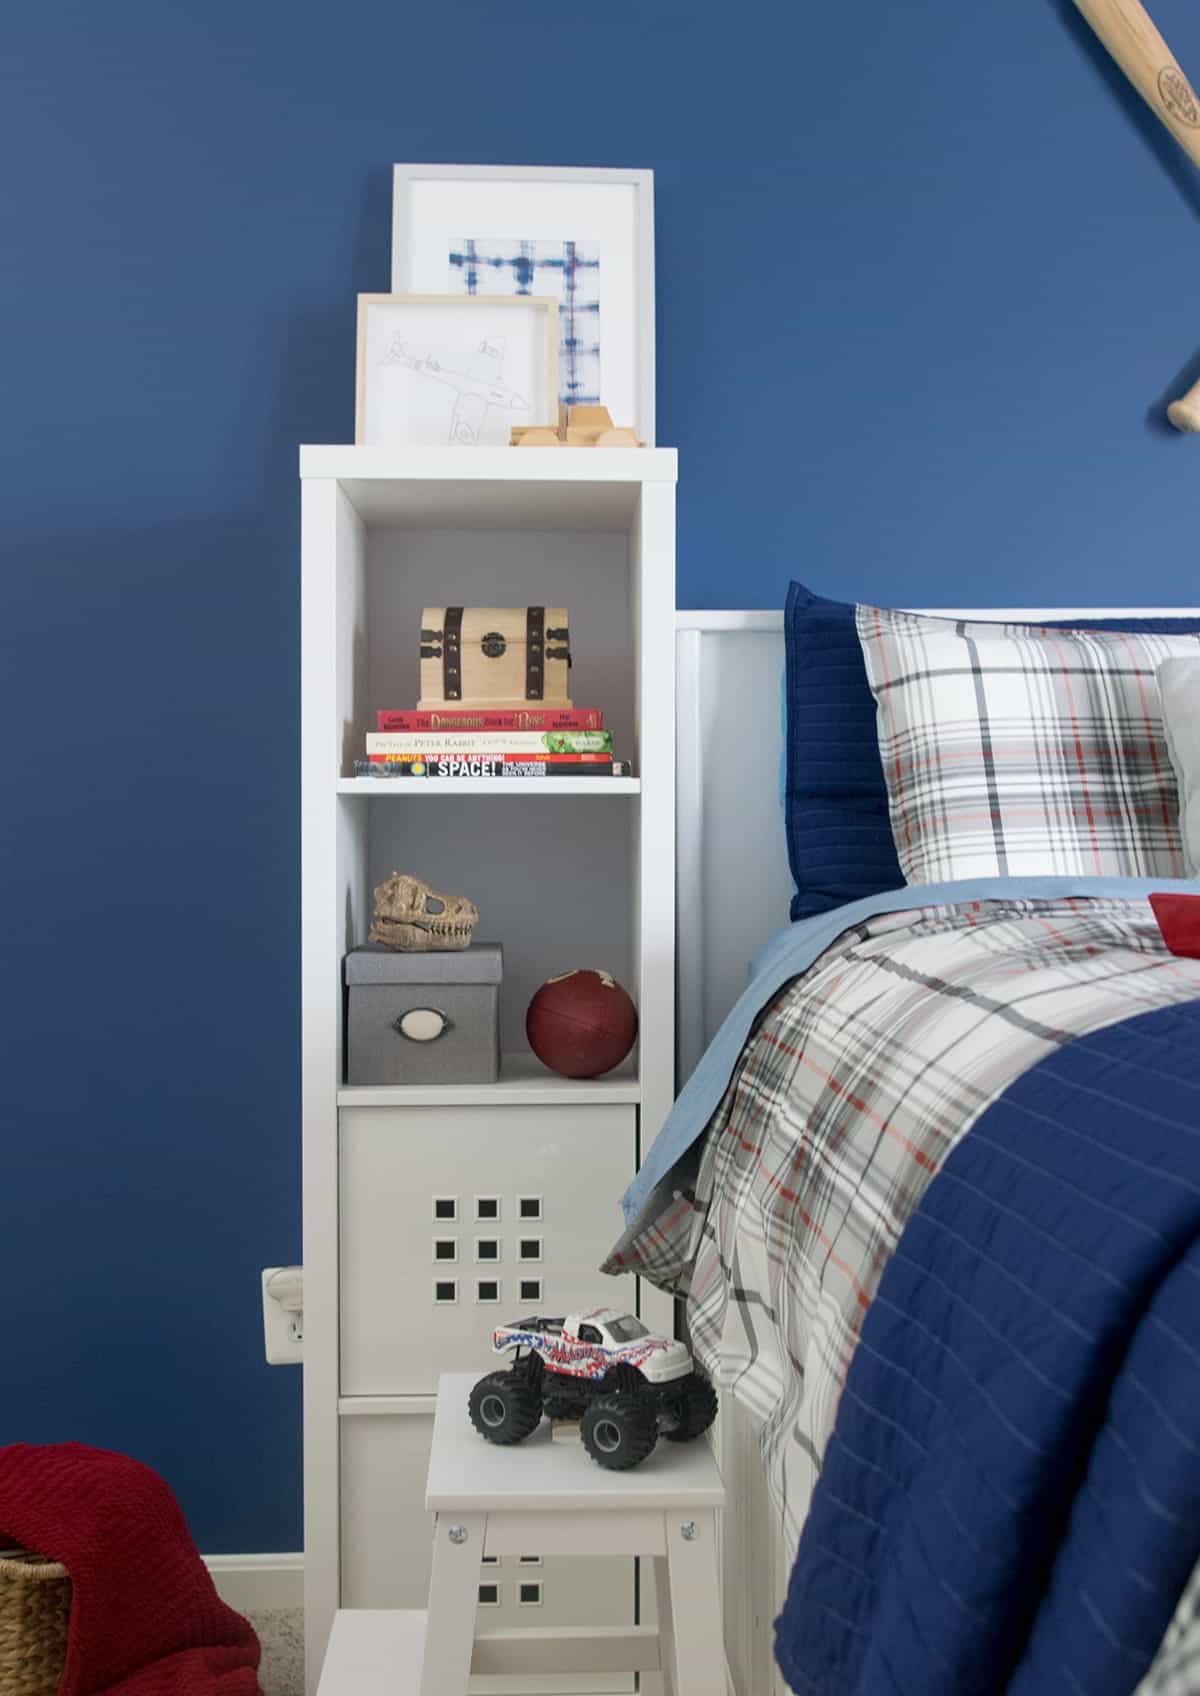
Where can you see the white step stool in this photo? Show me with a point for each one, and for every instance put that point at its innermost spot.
(551, 1497)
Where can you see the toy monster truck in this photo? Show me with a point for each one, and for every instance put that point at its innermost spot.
(603, 1368)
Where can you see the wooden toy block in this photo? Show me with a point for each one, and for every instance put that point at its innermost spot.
(578, 427)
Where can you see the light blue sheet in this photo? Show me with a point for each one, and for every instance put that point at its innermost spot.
(794, 949)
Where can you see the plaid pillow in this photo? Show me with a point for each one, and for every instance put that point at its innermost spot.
(1014, 750)
(1179, 683)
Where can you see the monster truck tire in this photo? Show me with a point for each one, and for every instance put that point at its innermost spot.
(698, 1409)
(505, 1408)
(619, 1431)
(622, 1380)
(562, 1407)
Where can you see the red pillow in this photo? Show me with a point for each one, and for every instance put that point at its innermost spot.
(1179, 920)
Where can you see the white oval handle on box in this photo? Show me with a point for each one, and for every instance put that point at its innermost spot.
(422, 1024)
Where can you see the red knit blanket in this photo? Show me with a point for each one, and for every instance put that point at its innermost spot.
(146, 1619)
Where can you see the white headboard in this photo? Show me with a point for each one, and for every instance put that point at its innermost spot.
(732, 880)
(733, 886)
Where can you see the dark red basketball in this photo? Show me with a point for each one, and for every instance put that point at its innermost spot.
(581, 1023)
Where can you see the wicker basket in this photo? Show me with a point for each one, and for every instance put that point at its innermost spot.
(35, 1605)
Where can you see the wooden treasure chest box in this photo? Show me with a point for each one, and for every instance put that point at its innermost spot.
(501, 657)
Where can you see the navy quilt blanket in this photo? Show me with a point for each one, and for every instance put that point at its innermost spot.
(1010, 1500)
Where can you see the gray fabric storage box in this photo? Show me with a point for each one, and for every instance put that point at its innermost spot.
(463, 986)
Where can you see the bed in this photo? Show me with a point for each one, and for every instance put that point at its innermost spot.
(938, 1132)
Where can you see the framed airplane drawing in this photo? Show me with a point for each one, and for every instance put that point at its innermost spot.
(439, 369)
(584, 238)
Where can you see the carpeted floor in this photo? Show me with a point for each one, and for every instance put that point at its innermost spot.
(281, 1633)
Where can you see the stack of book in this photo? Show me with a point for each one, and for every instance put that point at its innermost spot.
(528, 742)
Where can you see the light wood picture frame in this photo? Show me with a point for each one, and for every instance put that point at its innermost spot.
(585, 234)
(436, 370)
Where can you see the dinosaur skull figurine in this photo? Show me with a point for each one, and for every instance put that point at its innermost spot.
(411, 915)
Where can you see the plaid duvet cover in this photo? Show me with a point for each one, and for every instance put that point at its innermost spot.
(860, 1079)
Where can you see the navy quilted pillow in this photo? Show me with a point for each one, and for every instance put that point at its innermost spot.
(835, 800)
(839, 835)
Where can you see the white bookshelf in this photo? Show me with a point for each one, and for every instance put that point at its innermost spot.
(523, 1078)
(549, 786)
(565, 872)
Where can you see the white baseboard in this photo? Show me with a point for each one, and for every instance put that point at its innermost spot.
(258, 1583)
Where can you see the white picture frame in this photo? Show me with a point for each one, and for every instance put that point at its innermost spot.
(436, 370)
(607, 214)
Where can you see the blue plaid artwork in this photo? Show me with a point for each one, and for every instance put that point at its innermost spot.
(569, 271)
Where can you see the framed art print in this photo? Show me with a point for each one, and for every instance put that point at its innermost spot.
(438, 369)
(584, 238)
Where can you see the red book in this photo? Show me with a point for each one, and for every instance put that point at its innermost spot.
(524, 718)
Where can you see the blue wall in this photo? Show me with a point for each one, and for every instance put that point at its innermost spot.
(924, 275)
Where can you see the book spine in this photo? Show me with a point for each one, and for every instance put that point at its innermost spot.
(415, 770)
(444, 744)
(462, 719)
(540, 758)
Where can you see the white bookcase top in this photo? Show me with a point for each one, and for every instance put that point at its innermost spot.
(476, 488)
(508, 465)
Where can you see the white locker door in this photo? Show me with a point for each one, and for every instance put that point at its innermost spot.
(458, 1219)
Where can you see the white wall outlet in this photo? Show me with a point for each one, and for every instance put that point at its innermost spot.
(283, 1314)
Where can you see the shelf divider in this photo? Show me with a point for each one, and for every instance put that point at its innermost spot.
(423, 786)
(523, 1080)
